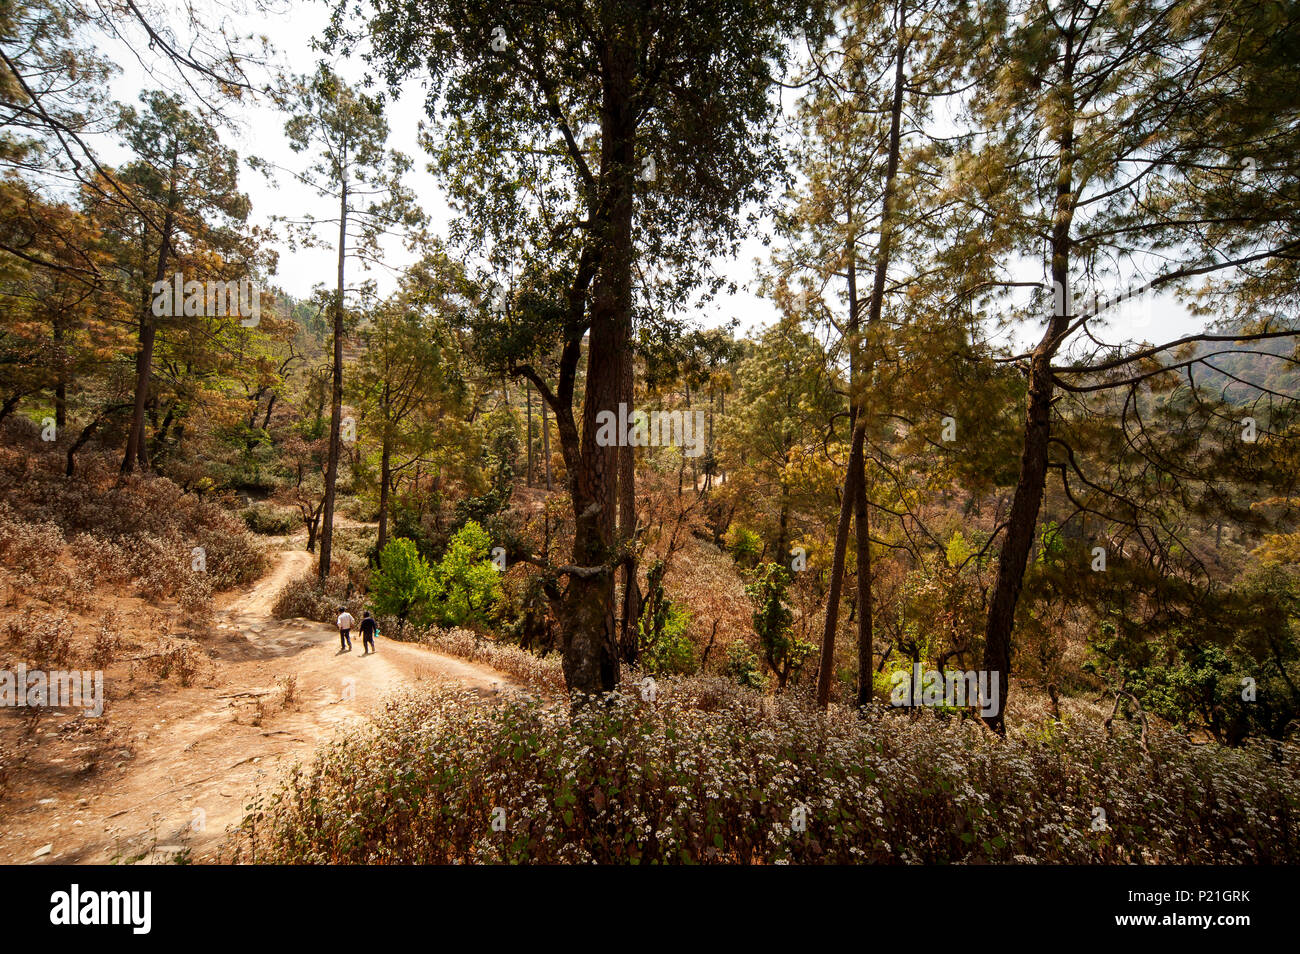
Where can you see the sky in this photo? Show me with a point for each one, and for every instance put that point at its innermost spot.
(258, 129)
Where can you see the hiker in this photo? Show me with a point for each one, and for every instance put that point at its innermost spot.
(345, 630)
(368, 629)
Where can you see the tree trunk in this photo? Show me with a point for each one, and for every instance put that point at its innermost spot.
(336, 397)
(862, 528)
(61, 385)
(135, 450)
(528, 398)
(860, 373)
(1025, 503)
(825, 668)
(385, 477)
(588, 631)
(626, 532)
(546, 445)
(1019, 537)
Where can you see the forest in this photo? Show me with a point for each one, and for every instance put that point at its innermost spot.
(758, 431)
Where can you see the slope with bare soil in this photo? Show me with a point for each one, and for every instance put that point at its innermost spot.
(181, 764)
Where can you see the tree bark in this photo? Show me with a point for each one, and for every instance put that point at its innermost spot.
(528, 398)
(385, 477)
(336, 395)
(61, 384)
(862, 528)
(626, 534)
(588, 631)
(860, 373)
(826, 666)
(546, 445)
(135, 450)
(1025, 503)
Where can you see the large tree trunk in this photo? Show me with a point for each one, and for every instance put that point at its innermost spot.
(588, 630)
(860, 383)
(385, 478)
(1019, 538)
(135, 449)
(626, 532)
(336, 398)
(1022, 522)
(825, 668)
(546, 445)
(862, 528)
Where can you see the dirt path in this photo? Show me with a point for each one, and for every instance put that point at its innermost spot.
(193, 757)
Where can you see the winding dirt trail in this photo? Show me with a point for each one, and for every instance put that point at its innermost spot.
(196, 755)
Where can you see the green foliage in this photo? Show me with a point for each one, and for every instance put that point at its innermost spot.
(403, 585)
(744, 544)
(664, 645)
(672, 650)
(465, 585)
(262, 519)
(1233, 677)
(958, 550)
(743, 666)
(483, 509)
(773, 622)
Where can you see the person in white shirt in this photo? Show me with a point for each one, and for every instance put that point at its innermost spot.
(345, 628)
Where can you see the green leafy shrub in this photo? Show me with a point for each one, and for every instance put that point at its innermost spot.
(403, 585)
(672, 650)
(663, 640)
(1230, 674)
(744, 545)
(743, 666)
(774, 622)
(464, 585)
(267, 520)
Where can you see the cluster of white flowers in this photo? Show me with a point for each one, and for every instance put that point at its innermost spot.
(707, 773)
(541, 672)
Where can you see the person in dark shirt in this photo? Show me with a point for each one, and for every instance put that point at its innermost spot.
(368, 629)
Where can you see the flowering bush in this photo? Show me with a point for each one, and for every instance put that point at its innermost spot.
(541, 672)
(711, 773)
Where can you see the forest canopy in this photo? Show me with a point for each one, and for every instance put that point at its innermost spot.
(1010, 440)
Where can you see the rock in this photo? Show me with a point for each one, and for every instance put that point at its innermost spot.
(43, 851)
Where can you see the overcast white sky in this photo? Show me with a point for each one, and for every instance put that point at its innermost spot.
(291, 24)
